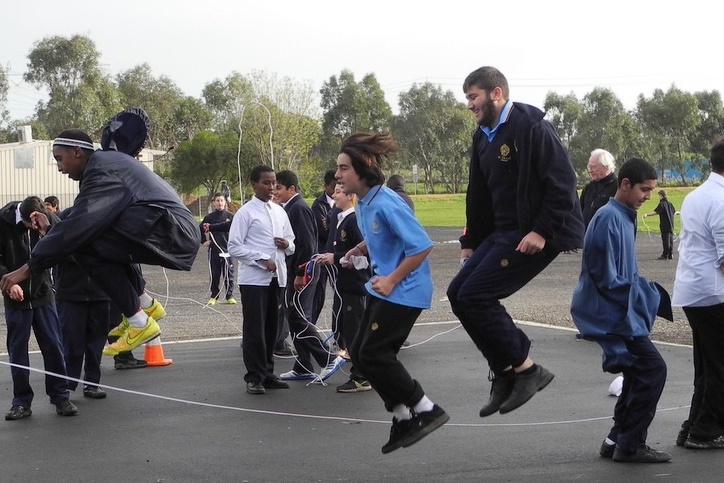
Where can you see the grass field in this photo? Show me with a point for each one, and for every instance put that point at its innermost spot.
(449, 210)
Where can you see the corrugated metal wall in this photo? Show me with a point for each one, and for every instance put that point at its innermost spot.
(29, 169)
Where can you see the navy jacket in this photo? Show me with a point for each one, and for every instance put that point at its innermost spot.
(321, 210)
(122, 198)
(16, 243)
(304, 227)
(343, 238)
(596, 194)
(219, 224)
(547, 198)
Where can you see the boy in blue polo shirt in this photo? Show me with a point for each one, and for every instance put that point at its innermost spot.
(400, 288)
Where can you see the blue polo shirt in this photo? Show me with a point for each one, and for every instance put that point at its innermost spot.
(392, 233)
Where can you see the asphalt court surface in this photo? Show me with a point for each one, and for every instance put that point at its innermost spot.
(193, 421)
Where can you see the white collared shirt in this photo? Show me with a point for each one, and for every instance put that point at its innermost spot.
(290, 199)
(18, 216)
(330, 200)
(341, 216)
(699, 278)
(251, 239)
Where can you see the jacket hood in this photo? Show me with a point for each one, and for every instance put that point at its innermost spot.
(126, 132)
(531, 111)
(7, 212)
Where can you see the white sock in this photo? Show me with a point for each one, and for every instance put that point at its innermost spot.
(609, 442)
(401, 412)
(423, 406)
(138, 320)
(146, 300)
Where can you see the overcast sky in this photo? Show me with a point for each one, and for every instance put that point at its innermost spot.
(631, 47)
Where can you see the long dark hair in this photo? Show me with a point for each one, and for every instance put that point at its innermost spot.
(367, 150)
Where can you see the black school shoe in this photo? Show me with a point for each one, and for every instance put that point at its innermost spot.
(128, 362)
(525, 388)
(694, 443)
(409, 431)
(255, 388)
(18, 412)
(500, 390)
(607, 450)
(400, 428)
(94, 392)
(275, 383)
(683, 433)
(643, 454)
(66, 408)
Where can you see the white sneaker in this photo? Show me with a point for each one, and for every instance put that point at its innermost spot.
(296, 376)
(331, 368)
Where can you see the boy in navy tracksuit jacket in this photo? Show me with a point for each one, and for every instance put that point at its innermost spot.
(30, 304)
(349, 283)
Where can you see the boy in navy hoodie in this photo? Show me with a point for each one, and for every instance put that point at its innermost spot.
(350, 295)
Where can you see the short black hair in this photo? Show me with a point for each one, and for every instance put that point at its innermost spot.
(256, 171)
(395, 182)
(52, 200)
(487, 78)
(29, 205)
(329, 176)
(717, 156)
(288, 178)
(637, 170)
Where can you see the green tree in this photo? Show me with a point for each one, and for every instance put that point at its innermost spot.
(434, 132)
(564, 113)
(80, 94)
(4, 88)
(204, 160)
(349, 107)
(190, 116)
(226, 100)
(711, 112)
(601, 125)
(669, 120)
(158, 96)
(274, 120)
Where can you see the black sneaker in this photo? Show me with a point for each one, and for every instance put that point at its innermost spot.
(275, 383)
(694, 443)
(94, 392)
(500, 389)
(66, 408)
(607, 450)
(398, 432)
(131, 363)
(354, 385)
(525, 388)
(683, 433)
(643, 454)
(18, 412)
(423, 424)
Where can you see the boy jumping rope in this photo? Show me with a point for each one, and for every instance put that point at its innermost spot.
(400, 288)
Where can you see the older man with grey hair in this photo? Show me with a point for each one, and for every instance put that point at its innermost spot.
(603, 184)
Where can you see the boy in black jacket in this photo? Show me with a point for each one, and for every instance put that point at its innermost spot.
(30, 304)
(350, 295)
(300, 294)
(215, 235)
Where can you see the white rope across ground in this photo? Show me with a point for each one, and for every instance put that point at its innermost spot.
(312, 416)
(341, 418)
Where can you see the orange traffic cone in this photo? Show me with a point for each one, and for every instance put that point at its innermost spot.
(154, 353)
